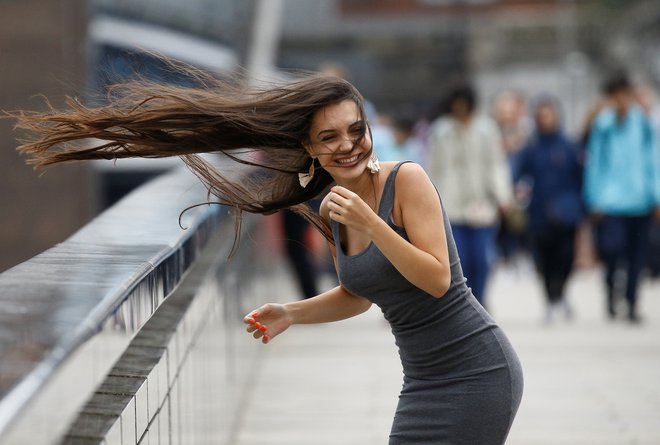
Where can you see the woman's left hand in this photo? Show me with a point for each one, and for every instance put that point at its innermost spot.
(347, 208)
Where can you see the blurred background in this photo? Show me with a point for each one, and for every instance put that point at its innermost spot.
(402, 54)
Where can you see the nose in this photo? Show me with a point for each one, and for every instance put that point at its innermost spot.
(346, 144)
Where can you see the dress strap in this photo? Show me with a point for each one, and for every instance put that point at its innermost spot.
(387, 199)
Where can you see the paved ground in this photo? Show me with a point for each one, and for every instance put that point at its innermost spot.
(589, 381)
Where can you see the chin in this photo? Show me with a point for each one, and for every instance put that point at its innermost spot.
(349, 172)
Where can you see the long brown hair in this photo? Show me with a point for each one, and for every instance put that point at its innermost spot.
(265, 127)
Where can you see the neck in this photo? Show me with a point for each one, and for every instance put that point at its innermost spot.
(464, 120)
(621, 112)
(363, 185)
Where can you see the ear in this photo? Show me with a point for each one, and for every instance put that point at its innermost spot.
(308, 148)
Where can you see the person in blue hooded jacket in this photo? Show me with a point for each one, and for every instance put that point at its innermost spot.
(622, 190)
(549, 169)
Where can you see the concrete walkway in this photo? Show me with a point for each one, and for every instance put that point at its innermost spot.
(589, 381)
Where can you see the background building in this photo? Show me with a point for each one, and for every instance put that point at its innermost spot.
(42, 50)
(407, 52)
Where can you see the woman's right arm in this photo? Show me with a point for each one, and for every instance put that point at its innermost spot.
(335, 304)
(272, 319)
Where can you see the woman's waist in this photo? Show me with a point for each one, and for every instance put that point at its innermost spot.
(437, 355)
(462, 331)
(413, 310)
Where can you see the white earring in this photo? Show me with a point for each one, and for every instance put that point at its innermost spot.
(373, 165)
(305, 178)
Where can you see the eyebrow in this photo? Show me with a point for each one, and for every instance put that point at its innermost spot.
(324, 131)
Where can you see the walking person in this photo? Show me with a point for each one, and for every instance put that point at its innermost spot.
(469, 167)
(550, 168)
(648, 99)
(387, 231)
(622, 191)
(510, 113)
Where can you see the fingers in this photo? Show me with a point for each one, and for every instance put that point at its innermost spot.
(338, 204)
(250, 320)
(334, 203)
(256, 328)
(340, 199)
(342, 191)
(334, 209)
(348, 208)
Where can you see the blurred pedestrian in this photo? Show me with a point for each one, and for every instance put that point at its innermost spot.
(605, 101)
(404, 145)
(510, 114)
(385, 225)
(622, 190)
(298, 252)
(469, 167)
(647, 98)
(549, 166)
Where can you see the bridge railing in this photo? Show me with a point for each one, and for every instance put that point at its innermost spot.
(130, 331)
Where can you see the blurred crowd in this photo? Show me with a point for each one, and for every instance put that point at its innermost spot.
(519, 190)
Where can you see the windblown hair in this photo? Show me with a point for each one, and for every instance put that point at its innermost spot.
(265, 128)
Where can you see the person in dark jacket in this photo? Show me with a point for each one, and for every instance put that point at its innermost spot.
(549, 169)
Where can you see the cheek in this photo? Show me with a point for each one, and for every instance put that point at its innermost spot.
(366, 141)
(324, 160)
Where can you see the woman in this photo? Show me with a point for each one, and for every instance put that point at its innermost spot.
(549, 165)
(387, 231)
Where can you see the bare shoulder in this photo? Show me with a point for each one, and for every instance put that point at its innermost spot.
(415, 194)
(412, 178)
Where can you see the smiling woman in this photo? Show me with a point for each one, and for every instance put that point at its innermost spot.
(386, 226)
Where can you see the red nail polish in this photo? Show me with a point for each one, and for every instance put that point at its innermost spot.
(266, 338)
(251, 321)
(257, 325)
(263, 328)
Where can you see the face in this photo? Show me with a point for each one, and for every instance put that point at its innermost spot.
(339, 139)
(546, 118)
(460, 108)
(622, 99)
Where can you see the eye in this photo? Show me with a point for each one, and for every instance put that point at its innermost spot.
(327, 138)
(358, 130)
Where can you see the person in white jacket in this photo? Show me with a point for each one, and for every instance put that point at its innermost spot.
(469, 167)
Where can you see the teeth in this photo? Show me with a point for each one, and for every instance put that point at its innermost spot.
(347, 160)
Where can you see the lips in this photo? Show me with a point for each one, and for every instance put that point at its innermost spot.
(347, 162)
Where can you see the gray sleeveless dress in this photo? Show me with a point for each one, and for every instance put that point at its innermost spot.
(462, 379)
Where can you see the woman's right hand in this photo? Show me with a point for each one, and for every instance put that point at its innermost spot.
(268, 321)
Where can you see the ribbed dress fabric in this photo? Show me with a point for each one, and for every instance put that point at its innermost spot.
(462, 380)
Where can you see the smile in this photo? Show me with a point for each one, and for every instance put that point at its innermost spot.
(347, 161)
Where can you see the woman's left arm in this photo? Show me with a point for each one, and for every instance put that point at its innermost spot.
(424, 261)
